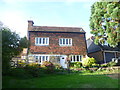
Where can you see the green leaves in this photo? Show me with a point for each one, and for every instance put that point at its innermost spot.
(105, 19)
(12, 45)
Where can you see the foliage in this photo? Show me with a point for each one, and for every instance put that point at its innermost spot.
(57, 66)
(87, 62)
(109, 64)
(24, 42)
(75, 64)
(34, 65)
(48, 66)
(11, 46)
(19, 72)
(112, 63)
(21, 63)
(95, 65)
(104, 65)
(33, 71)
(105, 22)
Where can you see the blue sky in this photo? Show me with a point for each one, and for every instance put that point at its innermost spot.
(68, 13)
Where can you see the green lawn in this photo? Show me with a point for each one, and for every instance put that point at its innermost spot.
(62, 81)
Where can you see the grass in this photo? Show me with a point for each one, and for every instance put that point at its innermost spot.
(75, 80)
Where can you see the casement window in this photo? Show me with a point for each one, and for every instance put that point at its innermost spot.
(42, 41)
(42, 58)
(76, 58)
(65, 41)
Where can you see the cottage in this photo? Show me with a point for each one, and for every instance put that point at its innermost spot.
(103, 54)
(56, 43)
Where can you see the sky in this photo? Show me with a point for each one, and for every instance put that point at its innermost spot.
(62, 13)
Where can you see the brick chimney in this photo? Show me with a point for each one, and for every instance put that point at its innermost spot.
(30, 24)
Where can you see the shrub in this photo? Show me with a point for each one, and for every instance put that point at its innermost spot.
(87, 62)
(19, 72)
(21, 63)
(33, 71)
(104, 65)
(95, 65)
(77, 64)
(57, 66)
(48, 66)
(72, 64)
(34, 65)
(112, 63)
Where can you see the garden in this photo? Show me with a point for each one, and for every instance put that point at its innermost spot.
(87, 74)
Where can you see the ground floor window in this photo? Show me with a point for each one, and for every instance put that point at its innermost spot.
(76, 58)
(42, 58)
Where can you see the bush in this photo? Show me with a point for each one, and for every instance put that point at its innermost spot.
(72, 64)
(19, 72)
(95, 65)
(57, 66)
(48, 66)
(76, 64)
(34, 65)
(104, 65)
(112, 63)
(87, 62)
(33, 71)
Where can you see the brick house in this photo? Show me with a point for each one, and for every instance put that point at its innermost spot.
(56, 43)
(102, 53)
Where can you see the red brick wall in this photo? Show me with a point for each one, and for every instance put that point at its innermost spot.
(78, 43)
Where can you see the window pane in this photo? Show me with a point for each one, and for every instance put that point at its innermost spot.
(43, 40)
(80, 58)
(46, 58)
(60, 41)
(74, 58)
(43, 57)
(36, 57)
(39, 40)
(46, 41)
(63, 41)
(40, 59)
(36, 40)
(67, 41)
(77, 57)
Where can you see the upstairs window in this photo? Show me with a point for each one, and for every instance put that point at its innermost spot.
(42, 41)
(65, 41)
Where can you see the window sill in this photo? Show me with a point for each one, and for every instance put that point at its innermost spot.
(65, 45)
(41, 45)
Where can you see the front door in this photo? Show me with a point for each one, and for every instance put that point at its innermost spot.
(63, 62)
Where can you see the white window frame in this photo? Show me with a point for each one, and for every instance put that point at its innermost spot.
(75, 59)
(42, 58)
(61, 43)
(37, 41)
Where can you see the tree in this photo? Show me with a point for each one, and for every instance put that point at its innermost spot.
(12, 45)
(105, 23)
(24, 43)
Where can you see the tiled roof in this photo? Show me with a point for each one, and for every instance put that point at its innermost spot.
(57, 29)
(92, 47)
